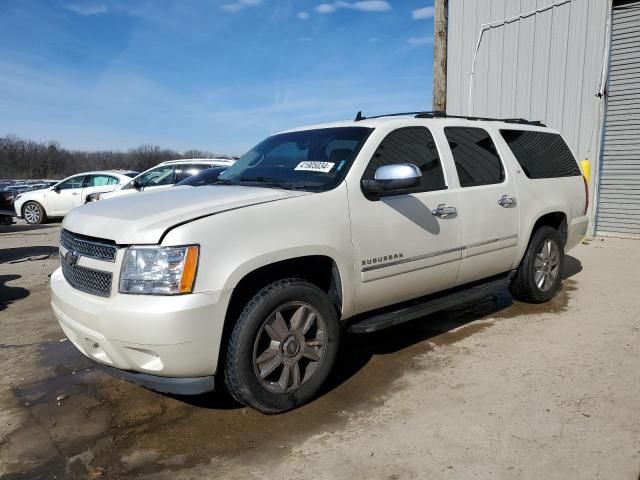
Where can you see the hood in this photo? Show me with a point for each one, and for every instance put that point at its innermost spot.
(119, 192)
(30, 194)
(144, 218)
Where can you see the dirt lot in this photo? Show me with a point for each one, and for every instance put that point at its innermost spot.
(494, 390)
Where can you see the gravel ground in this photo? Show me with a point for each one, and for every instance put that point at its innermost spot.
(492, 390)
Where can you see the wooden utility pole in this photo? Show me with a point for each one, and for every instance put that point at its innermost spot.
(440, 55)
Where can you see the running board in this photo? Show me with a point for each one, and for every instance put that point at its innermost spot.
(405, 312)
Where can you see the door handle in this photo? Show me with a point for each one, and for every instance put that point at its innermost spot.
(506, 201)
(444, 211)
(75, 193)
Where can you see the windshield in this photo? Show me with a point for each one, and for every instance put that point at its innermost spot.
(314, 160)
(204, 177)
(162, 175)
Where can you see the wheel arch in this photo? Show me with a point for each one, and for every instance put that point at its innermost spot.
(319, 269)
(33, 200)
(555, 219)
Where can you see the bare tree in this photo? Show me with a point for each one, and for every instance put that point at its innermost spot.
(23, 159)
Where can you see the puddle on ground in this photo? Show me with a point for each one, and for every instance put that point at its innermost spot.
(82, 422)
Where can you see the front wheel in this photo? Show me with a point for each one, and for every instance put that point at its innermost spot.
(539, 275)
(282, 347)
(33, 213)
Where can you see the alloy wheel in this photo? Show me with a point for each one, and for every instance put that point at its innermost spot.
(289, 347)
(32, 213)
(547, 265)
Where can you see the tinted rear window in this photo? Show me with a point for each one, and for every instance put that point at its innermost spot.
(541, 154)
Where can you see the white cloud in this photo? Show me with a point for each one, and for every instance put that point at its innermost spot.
(303, 15)
(423, 13)
(112, 112)
(87, 8)
(240, 5)
(363, 6)
(325, 8)
(420, 41)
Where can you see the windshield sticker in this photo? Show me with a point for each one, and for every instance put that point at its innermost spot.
(324, 167)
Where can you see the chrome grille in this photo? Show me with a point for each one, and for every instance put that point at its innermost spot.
(98, 249)
(87, 280)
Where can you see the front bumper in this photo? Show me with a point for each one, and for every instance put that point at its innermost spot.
(175, 386)
(176, 337)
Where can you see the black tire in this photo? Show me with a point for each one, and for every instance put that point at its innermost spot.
(242, 370)
(34, 213)
(524, 286)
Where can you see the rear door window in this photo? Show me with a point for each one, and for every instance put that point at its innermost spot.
(475, 155)
(102, 180)
(541, 154)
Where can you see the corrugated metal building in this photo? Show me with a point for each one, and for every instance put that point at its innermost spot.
(573, 64)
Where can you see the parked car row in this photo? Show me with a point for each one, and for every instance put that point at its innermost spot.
(57, 200)
(10, 189)
(24, 185)
(6, 207)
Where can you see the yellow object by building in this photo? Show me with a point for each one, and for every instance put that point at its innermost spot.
(586, 169)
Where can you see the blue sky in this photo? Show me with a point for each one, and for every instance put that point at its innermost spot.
(210, 74)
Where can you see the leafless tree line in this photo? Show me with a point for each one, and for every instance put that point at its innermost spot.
(24, 159)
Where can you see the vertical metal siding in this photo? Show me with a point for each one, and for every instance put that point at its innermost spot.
(544, 67)
(508, 101)
(619, 199)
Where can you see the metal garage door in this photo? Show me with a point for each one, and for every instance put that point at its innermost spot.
(619, 197)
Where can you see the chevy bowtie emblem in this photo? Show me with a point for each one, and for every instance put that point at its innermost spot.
(71, 258)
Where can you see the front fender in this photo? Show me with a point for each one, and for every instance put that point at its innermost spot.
(236, 243)
(344, 266)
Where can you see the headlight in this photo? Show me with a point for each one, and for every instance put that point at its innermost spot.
(159, 270)
(17, 197)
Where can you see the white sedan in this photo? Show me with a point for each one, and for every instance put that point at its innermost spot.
(56, 201)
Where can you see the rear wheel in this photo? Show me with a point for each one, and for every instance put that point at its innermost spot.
(539, 275)
(283, 347)
(33, 213)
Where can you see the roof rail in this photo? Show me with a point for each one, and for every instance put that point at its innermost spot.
(522, 121)
(436, 114)
(360, 117)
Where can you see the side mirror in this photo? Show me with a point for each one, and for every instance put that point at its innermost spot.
(136, 184)
(388, 178)
(56, 188)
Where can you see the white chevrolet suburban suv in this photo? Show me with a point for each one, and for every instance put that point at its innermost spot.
(349, 226)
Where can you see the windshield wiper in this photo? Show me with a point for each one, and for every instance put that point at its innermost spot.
(271, 181)
(222, 181)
